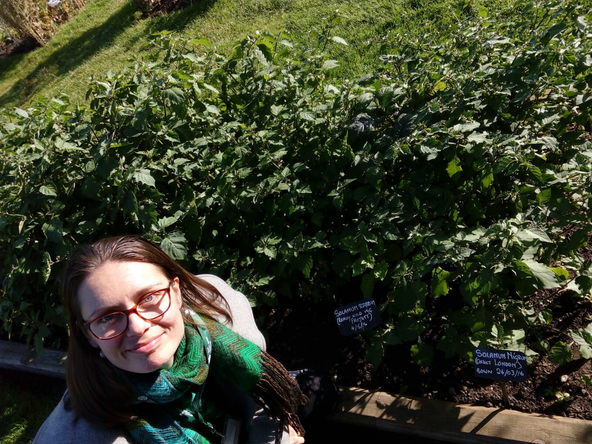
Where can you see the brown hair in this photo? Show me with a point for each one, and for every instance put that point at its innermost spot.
(97, 389)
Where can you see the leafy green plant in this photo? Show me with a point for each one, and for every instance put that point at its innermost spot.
(441, 186)
(562, 397)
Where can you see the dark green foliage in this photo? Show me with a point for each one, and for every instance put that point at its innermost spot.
(441, 186)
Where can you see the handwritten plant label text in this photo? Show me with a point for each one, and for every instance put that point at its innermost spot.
(357, 317)
(500, 365)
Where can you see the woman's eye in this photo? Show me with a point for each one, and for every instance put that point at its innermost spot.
(151, 299)
(107, 319)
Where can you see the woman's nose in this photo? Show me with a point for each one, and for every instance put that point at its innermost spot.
(136, 325)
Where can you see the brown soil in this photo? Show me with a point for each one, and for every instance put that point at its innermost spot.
(306, 336)
(13, 47)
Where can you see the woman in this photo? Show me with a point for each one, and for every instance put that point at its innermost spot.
(145, 337)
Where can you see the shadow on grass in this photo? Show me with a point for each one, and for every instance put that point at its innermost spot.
(91, 42)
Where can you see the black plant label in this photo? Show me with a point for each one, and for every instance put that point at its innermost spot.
(357, 317)
(500, 365)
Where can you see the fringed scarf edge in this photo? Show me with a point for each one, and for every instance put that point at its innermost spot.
(280, 395)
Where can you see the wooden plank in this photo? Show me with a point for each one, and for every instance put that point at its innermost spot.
(457, 423)
(22, 357)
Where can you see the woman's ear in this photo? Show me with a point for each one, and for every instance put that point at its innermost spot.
(177, 291)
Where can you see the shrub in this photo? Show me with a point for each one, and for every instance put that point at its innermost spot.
(444, 187)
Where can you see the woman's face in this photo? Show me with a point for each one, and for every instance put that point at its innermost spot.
(145, 346)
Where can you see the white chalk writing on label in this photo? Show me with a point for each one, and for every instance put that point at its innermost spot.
(357, 317)
(503, 365)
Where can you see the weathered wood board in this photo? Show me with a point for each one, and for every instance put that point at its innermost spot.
(22, 357)
(457, 423)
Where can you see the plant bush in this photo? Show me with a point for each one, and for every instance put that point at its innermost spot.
(449, 186)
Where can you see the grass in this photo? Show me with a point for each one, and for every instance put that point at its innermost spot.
(26, 401)
(108, 33)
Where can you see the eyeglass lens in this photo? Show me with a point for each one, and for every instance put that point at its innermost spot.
(150, 307)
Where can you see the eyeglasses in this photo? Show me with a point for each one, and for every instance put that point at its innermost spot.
(151, 306)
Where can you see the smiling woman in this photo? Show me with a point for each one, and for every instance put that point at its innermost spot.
(139, 341)
(152, 359)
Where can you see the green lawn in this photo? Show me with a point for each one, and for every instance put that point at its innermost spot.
(25, 402)
(107, 33)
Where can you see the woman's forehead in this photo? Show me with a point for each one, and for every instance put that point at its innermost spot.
(118, 283)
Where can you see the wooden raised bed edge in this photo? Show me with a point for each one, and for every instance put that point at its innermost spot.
(17, 356)
(407, 415)
(457, 423)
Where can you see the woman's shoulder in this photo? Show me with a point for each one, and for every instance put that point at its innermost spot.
(63, 427)
(243, 321)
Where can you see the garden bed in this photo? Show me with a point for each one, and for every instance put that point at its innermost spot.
(307, 336)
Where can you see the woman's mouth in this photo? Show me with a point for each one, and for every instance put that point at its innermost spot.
(146, 347)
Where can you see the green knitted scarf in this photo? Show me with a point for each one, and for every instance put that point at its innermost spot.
(170, 405)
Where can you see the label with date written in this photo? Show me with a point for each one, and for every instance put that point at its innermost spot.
(500, 365)
(357, 317)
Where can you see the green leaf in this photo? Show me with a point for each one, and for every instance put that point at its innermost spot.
(174, 95)
(368, 285)
(440, 86)
(439, 282)
(560, 272)
(450, 343)
(47, 263)
(554, 31)
(544, 196)
(454, 167)
(392, 339)
(329, 64)
(167, 221)
(175, 245)
(359, 266)
(270, 251)
(144, 176)
(408, 296)
(533, 233)
(192, 57)
(54, 231)
(540, 271)
(48, 190)
(202, 41)
(536, 172)
(304, 262)
(129, 203)
(477, 137)
(380, 270)
(466, 127)
(307, 115)
(560, 353)
(423, 354)
(581, 23)
(22, 113)
(339, 40)
(584, 339)
(409, 329)
(375, 352)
